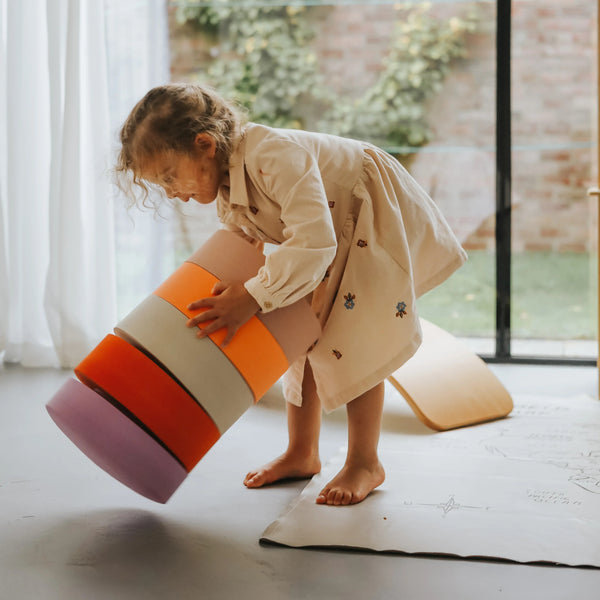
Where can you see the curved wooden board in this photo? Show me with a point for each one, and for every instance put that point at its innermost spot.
(447, 385)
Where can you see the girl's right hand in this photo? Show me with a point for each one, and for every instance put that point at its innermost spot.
(229, 308)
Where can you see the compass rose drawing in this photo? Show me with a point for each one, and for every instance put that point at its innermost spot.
(451, 504)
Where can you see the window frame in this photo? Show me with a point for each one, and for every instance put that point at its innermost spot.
(503, 230)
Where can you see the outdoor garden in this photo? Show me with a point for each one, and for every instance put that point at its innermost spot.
(415, 78)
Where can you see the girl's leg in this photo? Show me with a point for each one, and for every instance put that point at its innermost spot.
(362, 472)
(301, 459)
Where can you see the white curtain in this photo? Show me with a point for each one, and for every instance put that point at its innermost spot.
(57, 220)
(138, 59)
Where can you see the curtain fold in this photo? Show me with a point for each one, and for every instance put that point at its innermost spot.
(25, 182)
(57, 276)
(80, 294)
(138, 59)
(70, 70)
(3, 153)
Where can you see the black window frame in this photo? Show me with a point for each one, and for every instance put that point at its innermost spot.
(503, 231)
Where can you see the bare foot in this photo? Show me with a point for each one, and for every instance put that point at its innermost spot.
(352, 484)
(286, 466)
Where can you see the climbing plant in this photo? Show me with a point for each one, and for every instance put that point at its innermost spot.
(263, 58)
(393, 111)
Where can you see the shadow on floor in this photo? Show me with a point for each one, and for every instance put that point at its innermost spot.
(136, 550)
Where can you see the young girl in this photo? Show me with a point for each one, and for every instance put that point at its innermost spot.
(354, 233)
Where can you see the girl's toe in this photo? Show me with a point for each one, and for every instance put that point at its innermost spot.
(322, 497)
(252, 479)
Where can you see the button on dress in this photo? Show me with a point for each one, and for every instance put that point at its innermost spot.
(355, 233)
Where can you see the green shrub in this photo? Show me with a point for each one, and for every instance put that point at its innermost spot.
(263, 58)
(393, 111)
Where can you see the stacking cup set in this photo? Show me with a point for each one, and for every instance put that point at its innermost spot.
(152, 398)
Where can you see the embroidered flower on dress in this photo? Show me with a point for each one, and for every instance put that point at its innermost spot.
(337, 354)
(400, 309)
(331, 204)
(349, 298)
(362, 243)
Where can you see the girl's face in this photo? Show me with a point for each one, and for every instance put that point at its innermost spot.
(195, 176)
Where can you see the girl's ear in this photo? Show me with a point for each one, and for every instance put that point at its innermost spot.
(206, 143)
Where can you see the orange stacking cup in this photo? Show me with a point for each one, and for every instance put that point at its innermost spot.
(254, 351)
(293, 326)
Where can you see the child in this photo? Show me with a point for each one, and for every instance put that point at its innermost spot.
(355, 234)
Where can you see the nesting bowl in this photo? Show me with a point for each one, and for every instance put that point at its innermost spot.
(152, 398)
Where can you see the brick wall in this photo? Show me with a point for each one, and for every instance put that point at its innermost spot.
(554, 56)
(351, 42)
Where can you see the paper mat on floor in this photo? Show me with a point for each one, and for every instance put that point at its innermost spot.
(525, 488)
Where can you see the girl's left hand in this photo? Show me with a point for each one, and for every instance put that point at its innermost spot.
(230, 307)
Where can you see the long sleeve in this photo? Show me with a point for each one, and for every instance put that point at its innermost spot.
(289, 175)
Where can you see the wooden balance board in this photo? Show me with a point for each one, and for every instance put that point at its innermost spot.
(177, 392)
(447, 385)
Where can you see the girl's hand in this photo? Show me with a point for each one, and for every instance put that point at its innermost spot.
(230, 307)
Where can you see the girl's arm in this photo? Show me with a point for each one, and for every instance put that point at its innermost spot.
(289, 175)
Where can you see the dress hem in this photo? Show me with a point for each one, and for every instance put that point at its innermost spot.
(441, 275)
(331, 403)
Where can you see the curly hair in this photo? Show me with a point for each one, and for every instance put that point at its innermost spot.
(168, 118)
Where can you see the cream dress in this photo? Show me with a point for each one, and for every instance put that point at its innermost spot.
(353, 228)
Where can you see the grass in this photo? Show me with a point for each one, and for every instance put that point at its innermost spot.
(554, 297)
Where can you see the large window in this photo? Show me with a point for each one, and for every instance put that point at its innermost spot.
(554, 245)
(420, 80)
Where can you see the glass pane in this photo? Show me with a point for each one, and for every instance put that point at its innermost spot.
(554, 282)
(457, 168)
(416, 79)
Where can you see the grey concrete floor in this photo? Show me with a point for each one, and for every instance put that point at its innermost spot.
(69, 531)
